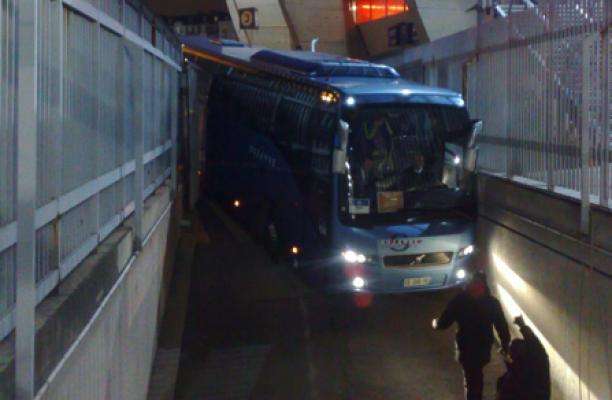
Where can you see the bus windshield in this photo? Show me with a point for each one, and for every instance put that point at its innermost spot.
(403, 158)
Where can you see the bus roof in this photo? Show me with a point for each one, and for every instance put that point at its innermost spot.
(371, 86)
(348, 76)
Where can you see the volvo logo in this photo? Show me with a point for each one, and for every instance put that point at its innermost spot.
(401, 242)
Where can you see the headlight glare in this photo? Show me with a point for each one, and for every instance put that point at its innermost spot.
(353, 258)
(466, 251)
(358, 282)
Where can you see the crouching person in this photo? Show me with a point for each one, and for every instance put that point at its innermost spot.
(528, 374)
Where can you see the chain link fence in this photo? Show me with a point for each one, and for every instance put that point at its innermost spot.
(538, 75)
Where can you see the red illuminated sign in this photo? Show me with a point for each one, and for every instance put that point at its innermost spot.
(370, 10)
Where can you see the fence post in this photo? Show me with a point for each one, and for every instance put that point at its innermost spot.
(27, 113)
(585, 140)
(606, 134)
(509, 152)
(174, 87)
(550, 90)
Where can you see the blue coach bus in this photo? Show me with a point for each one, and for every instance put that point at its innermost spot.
(359, 177)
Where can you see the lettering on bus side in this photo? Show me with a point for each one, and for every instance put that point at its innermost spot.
(262, 156)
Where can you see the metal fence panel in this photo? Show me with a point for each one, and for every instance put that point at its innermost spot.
(77, 226)
(149, 101)
(109, 102)
(132, 18)
(130, 74)
(7, 111)
(112, 8)
(89, 77)
(49, 125)
(7, 159)
(80, 105)
(147, 30)
(108, 208)
(607, 117)
(156, 115)
(7, 283)
(539, 78)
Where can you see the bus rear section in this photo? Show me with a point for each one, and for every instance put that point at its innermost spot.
(269, 149)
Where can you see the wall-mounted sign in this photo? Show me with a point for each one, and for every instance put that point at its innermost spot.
(402, 34)
(248, 18)
(390, 34)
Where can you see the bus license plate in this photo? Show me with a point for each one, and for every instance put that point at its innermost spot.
(422, 281)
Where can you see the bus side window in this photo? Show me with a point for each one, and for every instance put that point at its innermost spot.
(320, 138)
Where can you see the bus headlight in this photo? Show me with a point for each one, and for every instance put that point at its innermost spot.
(460, 274)
(353, 258)
(466, 251)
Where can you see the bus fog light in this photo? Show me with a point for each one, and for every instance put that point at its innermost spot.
(358, 282)
(460, 274)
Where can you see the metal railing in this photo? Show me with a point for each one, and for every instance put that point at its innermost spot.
(106, 124)
(539, 76)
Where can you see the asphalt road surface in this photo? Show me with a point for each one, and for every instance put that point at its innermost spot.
(254, 330)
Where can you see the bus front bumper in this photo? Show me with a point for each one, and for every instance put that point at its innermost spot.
(374, 278)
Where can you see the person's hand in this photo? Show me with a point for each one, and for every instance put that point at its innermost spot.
(505, 354)
(519, 321)
(434, 323)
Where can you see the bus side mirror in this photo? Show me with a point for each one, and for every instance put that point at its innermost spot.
(471, 151)
(340, 146)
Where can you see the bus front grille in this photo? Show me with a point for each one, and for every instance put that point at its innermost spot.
(417, 260)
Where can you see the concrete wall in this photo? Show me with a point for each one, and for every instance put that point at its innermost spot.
(96, 335)
(113, 355)
(540, 267)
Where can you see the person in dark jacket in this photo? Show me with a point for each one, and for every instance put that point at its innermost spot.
(528, 375)
(476, 312)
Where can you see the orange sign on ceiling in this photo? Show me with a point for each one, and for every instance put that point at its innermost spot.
(370, 10)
